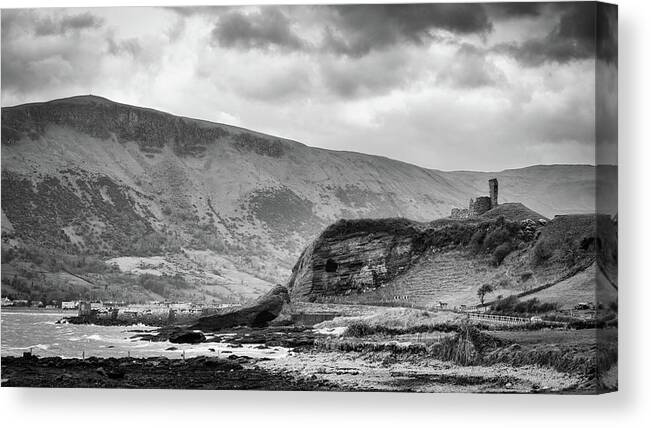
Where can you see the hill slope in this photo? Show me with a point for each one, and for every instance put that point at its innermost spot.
(85, 175)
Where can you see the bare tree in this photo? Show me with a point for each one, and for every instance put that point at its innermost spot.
(483, 290)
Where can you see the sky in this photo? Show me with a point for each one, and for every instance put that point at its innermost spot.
(445, 86)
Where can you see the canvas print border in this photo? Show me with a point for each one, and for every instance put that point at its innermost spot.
(395, 197)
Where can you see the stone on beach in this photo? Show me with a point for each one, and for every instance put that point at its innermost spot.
(258, 314)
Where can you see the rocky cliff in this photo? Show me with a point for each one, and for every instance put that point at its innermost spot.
(355, 256)
(396, 261)
(260, 313)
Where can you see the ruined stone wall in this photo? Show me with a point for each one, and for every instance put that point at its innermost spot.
(480, 205)
(492, 185)
(459, 213)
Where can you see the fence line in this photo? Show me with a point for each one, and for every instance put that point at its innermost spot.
(500, 318)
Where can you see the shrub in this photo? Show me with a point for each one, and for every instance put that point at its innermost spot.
(501, 252)
(504, 305)
(513, 305)
(8, 254)
(149, 244)
(495, 238)
(359, 330)
(542, 251)
(363, 329)
(153, 284)
(569, 252)
(477, 240)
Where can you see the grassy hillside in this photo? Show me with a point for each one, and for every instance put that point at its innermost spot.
(514, 211)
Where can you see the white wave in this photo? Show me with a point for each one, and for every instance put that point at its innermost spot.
(41, 346)
(95, 337)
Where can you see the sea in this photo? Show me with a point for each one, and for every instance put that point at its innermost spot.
(38, 331)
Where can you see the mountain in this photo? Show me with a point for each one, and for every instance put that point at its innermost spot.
(149, 191)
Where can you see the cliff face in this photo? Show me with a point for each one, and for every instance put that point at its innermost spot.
(357, 257)
(353, 257)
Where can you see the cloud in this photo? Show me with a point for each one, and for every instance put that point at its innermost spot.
(372, 75)
(606, 38)
(51, 23)
(266, 28)
(426, 84)
(606, 112)
(129, 46)
(30, 65)
(348, 30)
(514, 10)
(61, 52)
(61, 25)
(471, 69)
(281, 83)
(572, 38)
(356, 30)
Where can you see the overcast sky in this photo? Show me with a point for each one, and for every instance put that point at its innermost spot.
(446, 86)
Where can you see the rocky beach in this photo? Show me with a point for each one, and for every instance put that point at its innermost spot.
(336, 355)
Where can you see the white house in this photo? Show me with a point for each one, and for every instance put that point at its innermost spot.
(73, 304)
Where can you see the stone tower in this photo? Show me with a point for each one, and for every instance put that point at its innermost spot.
(492, 184)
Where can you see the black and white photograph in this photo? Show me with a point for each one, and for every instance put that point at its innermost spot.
(356, 198)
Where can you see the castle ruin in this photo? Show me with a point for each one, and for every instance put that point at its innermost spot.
(478, 205)
(492, 186)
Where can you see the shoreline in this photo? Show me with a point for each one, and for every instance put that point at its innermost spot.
(399, 359)
(303, 371)
(230, 373)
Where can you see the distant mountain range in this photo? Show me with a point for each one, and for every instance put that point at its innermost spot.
(85, 175)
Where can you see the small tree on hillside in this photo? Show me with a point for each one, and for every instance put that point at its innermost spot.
(483, 290)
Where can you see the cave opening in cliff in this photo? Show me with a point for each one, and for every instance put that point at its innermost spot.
(331, 266)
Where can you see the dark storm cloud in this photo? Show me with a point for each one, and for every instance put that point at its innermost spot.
(53, 26)
(350, 30)
(363, 28)
(512, 10)
(607, 39)
(572, 38)
(270, 27)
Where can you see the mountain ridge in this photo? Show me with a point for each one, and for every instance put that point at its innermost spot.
(108, 101)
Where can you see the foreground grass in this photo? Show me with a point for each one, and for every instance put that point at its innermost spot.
(466, 344)
(397, 319)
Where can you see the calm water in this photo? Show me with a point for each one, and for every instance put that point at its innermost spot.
(38, 331)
